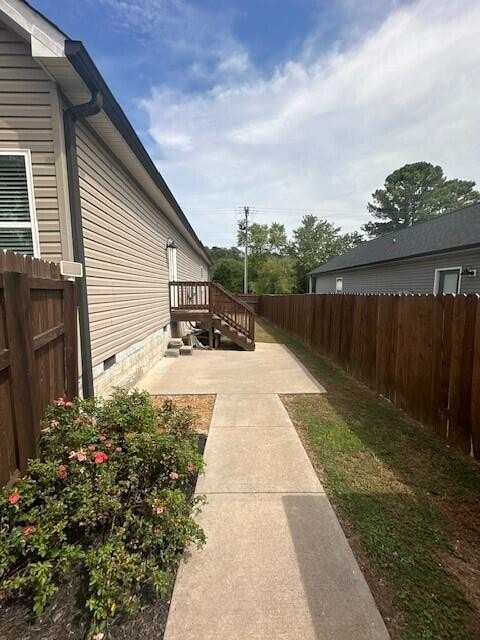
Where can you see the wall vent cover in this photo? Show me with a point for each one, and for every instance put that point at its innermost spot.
(71, 269)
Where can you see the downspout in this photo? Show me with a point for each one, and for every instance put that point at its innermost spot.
(70, 117)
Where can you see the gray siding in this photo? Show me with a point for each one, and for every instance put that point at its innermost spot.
(125, 250)
(416, 275)
(27, 111)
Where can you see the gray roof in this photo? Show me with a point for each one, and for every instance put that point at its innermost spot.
(448, 232)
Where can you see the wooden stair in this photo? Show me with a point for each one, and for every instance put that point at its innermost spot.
(232, 334)
(212, 304)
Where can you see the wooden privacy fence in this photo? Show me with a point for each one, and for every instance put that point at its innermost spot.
(38, 353)
(422, 352)
(251, 299)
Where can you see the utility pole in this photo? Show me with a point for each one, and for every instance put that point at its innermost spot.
(246, 211)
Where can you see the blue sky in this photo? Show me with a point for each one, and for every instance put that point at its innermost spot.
(287, 105)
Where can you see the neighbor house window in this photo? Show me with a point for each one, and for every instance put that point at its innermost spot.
(447, 280)
(339, 285)
(18, 221)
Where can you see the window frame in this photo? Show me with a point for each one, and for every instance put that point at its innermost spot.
(33, 224)
(337, 280)
(436, 281)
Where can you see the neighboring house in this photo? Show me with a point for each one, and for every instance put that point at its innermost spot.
(76, 184)
(440, 255)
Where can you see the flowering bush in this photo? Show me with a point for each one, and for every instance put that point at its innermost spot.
(109, 498)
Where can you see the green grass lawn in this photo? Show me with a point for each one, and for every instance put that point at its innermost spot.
(409, 504)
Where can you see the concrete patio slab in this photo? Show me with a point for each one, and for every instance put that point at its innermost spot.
(275, 567)
(247, 410)
(271, 368)
(256, 459)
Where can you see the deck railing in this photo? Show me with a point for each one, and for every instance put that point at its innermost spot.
(189, 294)
(212, 297)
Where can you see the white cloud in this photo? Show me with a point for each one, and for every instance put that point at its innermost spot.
(236, 63)
(323, 133)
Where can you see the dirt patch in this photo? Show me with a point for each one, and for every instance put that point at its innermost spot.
(201, 405)
(65, 617)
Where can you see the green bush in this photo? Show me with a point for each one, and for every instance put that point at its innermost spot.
(108, 498)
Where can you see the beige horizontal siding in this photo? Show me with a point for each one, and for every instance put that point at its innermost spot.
(26, 123)
(189, 266)
(125, 239)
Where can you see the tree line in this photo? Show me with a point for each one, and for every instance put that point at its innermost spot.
(278, 264)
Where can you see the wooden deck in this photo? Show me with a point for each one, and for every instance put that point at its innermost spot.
(213, 305)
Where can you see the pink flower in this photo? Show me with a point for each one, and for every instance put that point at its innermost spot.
(100, 457)
(62, 472)
(62, 402)
(173, 475)
(118, 449)
(98, 636)
(78, 455)
(14, 497)
(28, 530)
(190, 467)
(103, 438)
(92, 447)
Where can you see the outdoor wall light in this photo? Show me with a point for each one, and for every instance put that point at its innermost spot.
(171, 244)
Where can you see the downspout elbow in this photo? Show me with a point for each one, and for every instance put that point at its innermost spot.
(87, 109)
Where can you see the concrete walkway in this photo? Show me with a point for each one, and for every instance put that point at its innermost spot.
(276, 565)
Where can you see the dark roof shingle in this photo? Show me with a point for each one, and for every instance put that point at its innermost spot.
(456, 230)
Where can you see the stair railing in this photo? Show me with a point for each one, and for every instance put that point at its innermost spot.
(237, 314)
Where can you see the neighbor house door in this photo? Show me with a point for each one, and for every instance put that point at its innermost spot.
(448, 280)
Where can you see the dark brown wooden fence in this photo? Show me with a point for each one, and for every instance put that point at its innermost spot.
(420, 351)
(38, 353)
(251, 299)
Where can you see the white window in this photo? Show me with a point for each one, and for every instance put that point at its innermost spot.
(18, 220)
(339, 285)
(447, 280)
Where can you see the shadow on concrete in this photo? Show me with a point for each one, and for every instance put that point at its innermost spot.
(340, 602)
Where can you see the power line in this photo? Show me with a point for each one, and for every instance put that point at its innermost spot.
(284, 211)
(276, 212)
